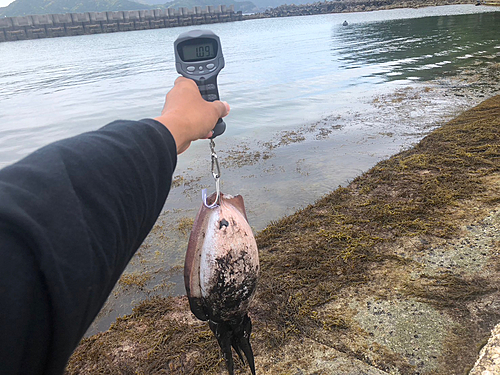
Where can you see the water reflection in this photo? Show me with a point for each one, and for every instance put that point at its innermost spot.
(419, 48)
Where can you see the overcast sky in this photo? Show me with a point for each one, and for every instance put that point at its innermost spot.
(4, 3)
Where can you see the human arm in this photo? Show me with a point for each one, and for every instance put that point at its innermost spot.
(72, 214)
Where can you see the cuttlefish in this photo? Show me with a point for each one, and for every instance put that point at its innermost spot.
(220, 273)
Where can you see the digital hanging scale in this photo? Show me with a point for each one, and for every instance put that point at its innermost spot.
(198, 56)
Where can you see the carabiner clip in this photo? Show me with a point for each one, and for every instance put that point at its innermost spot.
(216, 175)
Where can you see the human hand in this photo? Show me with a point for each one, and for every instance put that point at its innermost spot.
(188, 116)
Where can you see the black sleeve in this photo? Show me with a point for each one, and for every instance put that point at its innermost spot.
(72, 214)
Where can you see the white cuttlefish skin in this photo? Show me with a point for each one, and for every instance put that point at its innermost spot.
(222, 261)
(229, 262)
(220, 274)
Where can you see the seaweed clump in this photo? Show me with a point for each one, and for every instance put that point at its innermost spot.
(308, 257)
(448, 290)
(159, 337)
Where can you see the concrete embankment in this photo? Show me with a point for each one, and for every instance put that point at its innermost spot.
(70, 24)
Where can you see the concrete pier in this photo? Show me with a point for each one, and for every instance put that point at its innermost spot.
(56, 25)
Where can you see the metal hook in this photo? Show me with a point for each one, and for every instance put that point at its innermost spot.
(204, 199)
(216, 175)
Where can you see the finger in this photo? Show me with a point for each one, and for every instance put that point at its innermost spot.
(228, 108)
(222, 108)
(183, 81)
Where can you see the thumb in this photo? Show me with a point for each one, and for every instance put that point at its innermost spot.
(222, 108)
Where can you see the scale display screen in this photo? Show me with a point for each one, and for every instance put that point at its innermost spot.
(202, 49)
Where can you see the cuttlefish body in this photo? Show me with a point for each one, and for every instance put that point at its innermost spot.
(220, 274)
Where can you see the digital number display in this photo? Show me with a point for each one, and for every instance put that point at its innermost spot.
(191, 52)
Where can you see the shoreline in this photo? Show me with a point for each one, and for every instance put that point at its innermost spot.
(414, 246)
(349, 6)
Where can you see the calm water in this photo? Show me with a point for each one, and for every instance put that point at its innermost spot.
(314, 104)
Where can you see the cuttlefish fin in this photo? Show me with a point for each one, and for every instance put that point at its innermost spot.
(237, 336)
(198, 308)
(238, 203)
(192, 263)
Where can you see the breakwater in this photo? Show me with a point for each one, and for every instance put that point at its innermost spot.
(70, 24)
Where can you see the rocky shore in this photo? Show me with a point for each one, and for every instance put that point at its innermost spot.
(341, 6)
(397, 273)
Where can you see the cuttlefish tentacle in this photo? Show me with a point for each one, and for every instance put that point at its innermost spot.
(220, 274)
(237, 336)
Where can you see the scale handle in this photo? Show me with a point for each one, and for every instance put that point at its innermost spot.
(210, 92)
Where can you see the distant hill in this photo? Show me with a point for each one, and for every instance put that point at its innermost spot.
(256, 5)
(264, 4)
(27, 7)
(244, 6)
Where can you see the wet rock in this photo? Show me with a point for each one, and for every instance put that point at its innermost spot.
(337, 6)
(488, 362)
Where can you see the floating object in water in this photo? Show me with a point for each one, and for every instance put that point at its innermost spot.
(221, 271)
(345, 23)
